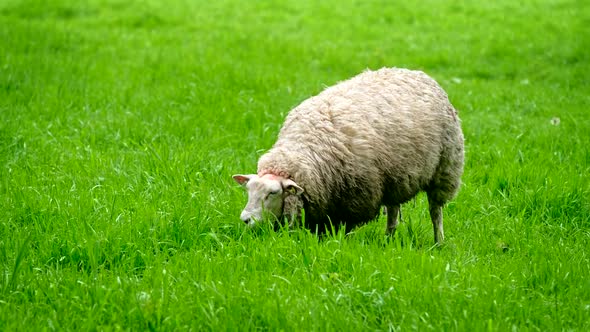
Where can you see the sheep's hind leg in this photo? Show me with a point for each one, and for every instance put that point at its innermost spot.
(392, 220)
(436, 215)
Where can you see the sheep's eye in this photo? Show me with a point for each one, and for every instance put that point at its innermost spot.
(273, 192)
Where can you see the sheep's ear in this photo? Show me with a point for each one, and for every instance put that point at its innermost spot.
(291, 187)
(242, 179)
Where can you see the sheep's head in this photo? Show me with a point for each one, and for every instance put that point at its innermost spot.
(266, 196)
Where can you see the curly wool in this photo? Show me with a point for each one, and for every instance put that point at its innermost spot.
(376, 139)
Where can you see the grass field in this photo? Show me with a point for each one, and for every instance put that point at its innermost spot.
(121, 123)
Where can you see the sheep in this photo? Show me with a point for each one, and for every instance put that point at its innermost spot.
(377, 139)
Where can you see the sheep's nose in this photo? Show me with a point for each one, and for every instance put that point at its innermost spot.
(245, 217)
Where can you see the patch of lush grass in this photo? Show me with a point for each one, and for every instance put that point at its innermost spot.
(121, 123)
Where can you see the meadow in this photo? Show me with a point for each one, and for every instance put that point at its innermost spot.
(121, 123)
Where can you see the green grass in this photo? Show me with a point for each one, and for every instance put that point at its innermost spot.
(121, 123)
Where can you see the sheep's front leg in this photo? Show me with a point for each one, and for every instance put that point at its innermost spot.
(392, 220)
(436, 215)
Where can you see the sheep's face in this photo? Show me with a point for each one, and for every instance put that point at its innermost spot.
(266, 196)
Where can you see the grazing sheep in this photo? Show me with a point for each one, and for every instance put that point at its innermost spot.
(376, 139)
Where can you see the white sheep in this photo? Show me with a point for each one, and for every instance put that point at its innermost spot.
(376, 139)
